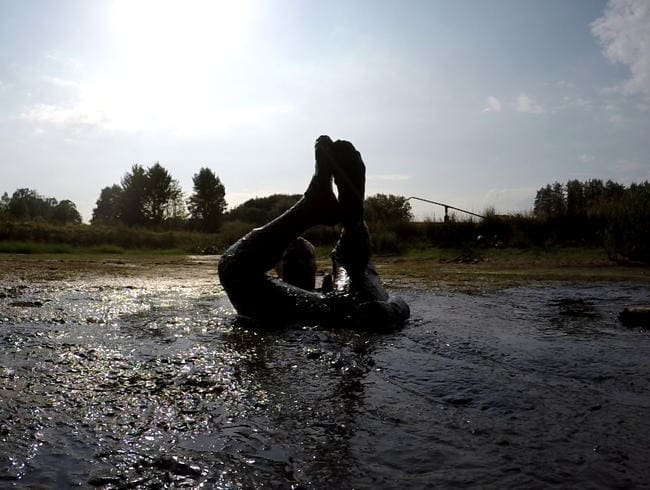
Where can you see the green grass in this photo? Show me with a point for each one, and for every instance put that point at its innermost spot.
(34, 248)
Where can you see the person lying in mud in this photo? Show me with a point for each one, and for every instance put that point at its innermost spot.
(353, 293)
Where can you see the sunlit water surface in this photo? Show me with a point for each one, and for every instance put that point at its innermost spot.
(126, 382)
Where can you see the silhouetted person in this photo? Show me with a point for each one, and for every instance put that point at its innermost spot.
(355, 292)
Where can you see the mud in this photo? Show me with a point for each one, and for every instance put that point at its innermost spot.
(120, 373)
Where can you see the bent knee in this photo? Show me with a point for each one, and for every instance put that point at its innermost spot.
(227, 270)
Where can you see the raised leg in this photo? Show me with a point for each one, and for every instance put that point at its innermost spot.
(353, 270)
(243, 267)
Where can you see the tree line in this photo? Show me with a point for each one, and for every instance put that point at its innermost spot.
(575, 198)
(151, 198)
(597, 213)
(148, 201)
(27, 204)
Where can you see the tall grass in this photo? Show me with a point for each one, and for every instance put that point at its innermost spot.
(42, 237)
(625, 232)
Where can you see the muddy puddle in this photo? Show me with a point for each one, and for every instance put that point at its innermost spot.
(146, 379)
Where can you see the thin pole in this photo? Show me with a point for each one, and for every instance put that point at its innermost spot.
(446, 206)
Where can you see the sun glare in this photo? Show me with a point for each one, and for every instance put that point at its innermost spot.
(169, 51)
(151, 30)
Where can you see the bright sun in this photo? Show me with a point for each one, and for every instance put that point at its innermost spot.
(168, 54)
(179, 29)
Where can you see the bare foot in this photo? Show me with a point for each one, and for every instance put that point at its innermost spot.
(319, 196)
(350, 178)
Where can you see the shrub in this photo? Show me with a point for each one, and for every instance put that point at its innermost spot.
(628, 225)
(386, 242)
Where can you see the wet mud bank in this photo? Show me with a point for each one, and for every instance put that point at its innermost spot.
(119, 373)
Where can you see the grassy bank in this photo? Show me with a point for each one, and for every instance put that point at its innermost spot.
(427, 268)
(31, 248)
(43, 237)
(504, 267)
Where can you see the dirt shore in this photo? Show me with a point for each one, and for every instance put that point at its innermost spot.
(490, 269)
(503, 268)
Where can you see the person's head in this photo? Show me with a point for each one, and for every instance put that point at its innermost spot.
(298, 264)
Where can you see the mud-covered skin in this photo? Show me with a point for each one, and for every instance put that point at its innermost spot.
(362, 301)
(358, 295)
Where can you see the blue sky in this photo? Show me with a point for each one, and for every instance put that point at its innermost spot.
(472, 103)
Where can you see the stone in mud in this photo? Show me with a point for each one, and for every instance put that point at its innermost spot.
(103, 480)
(27, 304)
(635, 316)
(11, 292)
(176, 466)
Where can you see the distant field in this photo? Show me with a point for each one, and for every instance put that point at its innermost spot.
(423, 268)
(495, 268)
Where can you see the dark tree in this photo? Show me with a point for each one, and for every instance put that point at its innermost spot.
(614, 191)
(66, 212)
(177, 212)
(575, 198)
(134, 196)
(542, 206)
(594, 192)
(21, 205)
(109, 206)
(550, 201)
(4, 205)
(207, 204)
(558, 200)
(27, 204)
(388, 209)
(260, 210)
(161, 193)
(144, 198)
(628, 230)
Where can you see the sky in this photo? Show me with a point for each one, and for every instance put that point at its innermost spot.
(471, 103)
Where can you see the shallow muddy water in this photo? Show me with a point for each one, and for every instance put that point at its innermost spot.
(148, 380)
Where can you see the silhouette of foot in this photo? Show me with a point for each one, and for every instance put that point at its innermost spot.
(350, 177)
(319, 196)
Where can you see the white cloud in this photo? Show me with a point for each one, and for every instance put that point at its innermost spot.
(525, 104)
(577, 103)
(586, 158)
(630, 171)
(62, 116)
(390, 177)
(60, 82)
(628, 166)
(565, 84)
(493, 104)
(624, 33)
(67, 62)
(510, 199)
(119, 105)
(615, 120)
